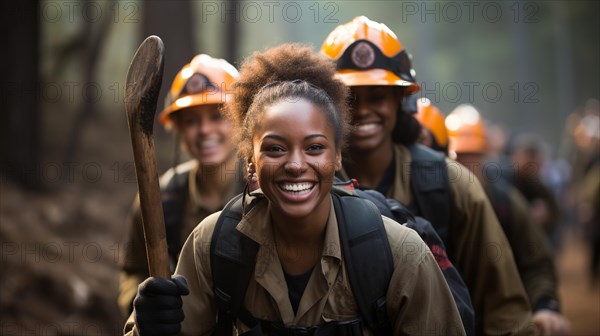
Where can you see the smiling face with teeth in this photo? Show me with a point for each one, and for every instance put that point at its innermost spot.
(205, 133)
(374, 110)
(295, 154)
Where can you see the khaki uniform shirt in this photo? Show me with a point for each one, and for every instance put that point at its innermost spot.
(531, 250)
(418, 299)
(134, 263)
(480, 252)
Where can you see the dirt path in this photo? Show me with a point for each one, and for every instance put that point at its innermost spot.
(580, 297)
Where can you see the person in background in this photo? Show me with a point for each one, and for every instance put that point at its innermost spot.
(382, 154)
(195, 189)
(497, 149)
(433, 131)
(586, 136)
(529, 154)
(530, 246)
(589, 213)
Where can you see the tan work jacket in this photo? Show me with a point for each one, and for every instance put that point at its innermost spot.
(531, 249)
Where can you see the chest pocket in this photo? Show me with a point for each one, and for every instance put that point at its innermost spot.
(341, 304)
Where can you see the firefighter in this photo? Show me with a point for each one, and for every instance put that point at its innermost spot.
(192, 190)
(290, 121)
(382, 154)
(530, 246)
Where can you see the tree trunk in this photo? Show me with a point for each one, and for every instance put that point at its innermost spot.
(172, 22)
(20, 94)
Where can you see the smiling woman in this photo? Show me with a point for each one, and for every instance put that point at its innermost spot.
(383, 155)
(289, 118)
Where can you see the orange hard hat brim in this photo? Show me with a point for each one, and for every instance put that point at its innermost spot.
(440, 134)
(374, 77)
(204, 98)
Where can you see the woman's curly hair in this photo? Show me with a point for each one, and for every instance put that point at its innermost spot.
(289, 71)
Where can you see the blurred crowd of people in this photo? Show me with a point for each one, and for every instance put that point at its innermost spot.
(560, 184)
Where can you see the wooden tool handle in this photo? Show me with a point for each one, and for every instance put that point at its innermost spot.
(141, 94)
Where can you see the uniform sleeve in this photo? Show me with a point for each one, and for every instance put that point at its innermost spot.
(419, 300)
(533, 255)
(194, 264)
(482, 254)
(133, 261)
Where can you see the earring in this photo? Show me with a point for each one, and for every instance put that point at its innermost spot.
(250, 185)
(252, 173)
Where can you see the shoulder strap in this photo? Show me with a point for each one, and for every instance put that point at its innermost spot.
(431, 189)
(174, 195)
(367, 257)
(232, 260)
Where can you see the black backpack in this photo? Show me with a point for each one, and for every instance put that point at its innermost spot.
(175, 191)
(369, 266)
(430, 188)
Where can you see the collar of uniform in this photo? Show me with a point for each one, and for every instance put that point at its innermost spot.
(256, 224)
(400, 189)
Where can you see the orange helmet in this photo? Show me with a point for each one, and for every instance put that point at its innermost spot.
(432, 118)
(369, 53)
(466, 130)
(205, 80)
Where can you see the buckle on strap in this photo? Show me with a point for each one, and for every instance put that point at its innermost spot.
(334, 328)
(341, 328)
(278, 329)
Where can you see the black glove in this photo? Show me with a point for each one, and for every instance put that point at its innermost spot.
(158, 306)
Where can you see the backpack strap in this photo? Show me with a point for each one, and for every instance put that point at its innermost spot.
(333, 328)
(368, 261)
(431, 189)
(174, 196)
(232, 260)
